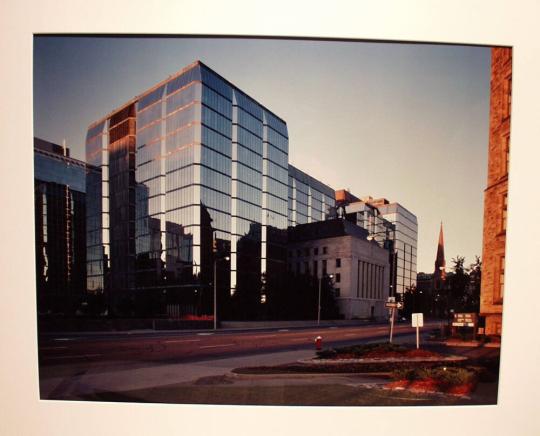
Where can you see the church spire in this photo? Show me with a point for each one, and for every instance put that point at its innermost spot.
(440, 263)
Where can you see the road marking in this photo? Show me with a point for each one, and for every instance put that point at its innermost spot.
(300, 339)
(351, 334)
(264, 336)
(63, 339)
(173, 341)
(215, 346)
(53, 348)
(283, 330)
(331, 328)
(204, 334)
(74, 357)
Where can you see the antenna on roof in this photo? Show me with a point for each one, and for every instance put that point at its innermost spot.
(64, 146)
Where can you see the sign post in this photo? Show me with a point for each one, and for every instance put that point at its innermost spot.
(392, 305)
(465, 320)
(417, 321)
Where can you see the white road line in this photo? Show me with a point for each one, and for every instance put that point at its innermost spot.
(75, 357)
(283, 330)
(174, 341)
(204, 334)
(264, 336)
(53, 348)
(63, 339)
(351, 334)
(215, 346)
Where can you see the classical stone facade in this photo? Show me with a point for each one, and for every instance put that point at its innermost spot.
(495, 198)
(360, 268)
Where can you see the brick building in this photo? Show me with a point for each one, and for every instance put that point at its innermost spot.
(496, 193)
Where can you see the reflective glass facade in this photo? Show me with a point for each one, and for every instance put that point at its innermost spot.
(191, 159)
(383, 231)
(406, 238)
(59, 183)
(309, 199)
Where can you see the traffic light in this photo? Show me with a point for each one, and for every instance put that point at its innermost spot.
(214, 245)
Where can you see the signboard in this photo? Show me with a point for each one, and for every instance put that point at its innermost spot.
(417, 320)
(465, 320)
(392, 305)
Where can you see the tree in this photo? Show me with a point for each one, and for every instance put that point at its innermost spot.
(457, 285)
(472, 296)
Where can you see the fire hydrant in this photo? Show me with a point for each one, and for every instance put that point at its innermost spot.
(318, 343)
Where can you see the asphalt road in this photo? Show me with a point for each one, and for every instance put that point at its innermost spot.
(166, 347)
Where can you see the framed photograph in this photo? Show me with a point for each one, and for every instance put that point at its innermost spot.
(224, 219)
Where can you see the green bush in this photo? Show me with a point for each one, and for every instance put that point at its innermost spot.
(362, 349)
(448, 375)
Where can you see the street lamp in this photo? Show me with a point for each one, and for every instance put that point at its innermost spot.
(330, 276)
(215, 287)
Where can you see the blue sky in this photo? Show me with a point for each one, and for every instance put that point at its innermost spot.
(403, 121)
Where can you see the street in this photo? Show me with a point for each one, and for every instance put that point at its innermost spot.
(181, 346)
(77, 364)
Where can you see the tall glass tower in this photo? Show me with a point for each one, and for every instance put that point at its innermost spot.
(188, 161)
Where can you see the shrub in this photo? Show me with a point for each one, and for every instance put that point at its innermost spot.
(446, 375)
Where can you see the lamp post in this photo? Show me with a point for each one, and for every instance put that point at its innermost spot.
(330, 276)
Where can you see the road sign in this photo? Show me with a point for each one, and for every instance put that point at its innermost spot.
(417, 320)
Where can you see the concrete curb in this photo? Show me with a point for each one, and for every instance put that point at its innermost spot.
(318, 362)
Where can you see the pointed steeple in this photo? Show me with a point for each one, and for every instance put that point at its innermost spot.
(440, 263)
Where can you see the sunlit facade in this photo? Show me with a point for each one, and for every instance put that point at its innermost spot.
(191, 159)
(393, 227)
(406, 240)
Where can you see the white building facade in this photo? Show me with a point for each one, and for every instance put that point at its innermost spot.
(360, 268)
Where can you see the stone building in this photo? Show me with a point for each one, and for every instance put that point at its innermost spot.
(496, 193)
(360, 267)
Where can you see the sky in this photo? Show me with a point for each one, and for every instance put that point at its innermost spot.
(408, 122)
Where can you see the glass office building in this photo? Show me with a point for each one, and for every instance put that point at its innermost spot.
(406, 238)
(59, 228)
(190, 160)
(309, 199)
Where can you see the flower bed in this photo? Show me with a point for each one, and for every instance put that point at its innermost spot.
(450, 380)
(375, 351)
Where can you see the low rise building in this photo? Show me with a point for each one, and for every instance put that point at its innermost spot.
(360, 267)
